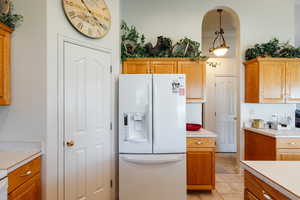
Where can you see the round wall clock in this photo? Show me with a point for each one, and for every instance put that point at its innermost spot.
(90, 17)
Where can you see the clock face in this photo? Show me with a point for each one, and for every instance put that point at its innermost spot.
(90, 17)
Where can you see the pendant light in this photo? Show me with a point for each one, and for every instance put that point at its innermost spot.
(219, 45)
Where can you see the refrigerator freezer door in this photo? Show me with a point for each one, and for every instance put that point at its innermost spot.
(169, 131)
(135, 113)
(149, 177)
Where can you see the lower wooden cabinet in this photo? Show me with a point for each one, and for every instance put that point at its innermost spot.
(201, 164)
(262, 147)
(24, 182)
(255, 189)
(30, 190)
(249, 196)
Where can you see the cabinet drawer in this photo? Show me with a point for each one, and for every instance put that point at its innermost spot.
(30, 190)
(260, 189)
(249, 196)
(23, 174)
(200, 142)
(288, 143)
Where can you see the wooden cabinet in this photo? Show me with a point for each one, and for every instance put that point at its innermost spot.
(30, 190)
(24, 182)
(201, 163)
(249, 196)
(255, 189)
(136, 67)
(262, 147)
(164, 67)
(195, 72)
(272, 80)
(5, 48)
(293, 82)
(195, 79)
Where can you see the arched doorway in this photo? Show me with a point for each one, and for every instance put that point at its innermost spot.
(222, 108)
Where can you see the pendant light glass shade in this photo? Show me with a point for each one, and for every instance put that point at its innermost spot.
(221, 51)
(219, 45)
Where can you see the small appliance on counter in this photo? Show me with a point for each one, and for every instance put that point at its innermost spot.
(285, 123)
(258, 123)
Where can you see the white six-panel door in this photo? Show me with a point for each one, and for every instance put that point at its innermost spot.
(87, 123)
(226, 113)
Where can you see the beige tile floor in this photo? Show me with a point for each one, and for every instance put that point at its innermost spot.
(229, 181)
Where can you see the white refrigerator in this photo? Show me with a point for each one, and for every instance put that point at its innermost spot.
(152, 137)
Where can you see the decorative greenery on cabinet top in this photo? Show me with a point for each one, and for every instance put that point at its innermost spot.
(274, 48)
(6, 14)
(133, 46)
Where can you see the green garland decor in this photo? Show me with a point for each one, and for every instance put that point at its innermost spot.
(10, 19)
(133, 46)
(273, 48)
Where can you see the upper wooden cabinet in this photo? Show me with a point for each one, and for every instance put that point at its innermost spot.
(164, 67)
(5, 46)
(195, 79)
(136, 67)
(195, 72)
(272, 80)
(293, 82)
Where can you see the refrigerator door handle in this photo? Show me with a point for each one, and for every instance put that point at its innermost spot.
(153, 160)
(149, 114)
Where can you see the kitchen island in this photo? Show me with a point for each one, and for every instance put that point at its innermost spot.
(273, 180)
(268, 144)
(201, 147)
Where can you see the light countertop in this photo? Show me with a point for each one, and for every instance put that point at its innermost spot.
(292, 133)
(283, 176)
(201, 133)
(10, 161)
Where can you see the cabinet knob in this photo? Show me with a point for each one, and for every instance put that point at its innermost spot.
(292, 143)
(26, 173)
(70, 143)
(199, 142)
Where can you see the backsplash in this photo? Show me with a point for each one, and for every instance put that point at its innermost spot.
(265, 111)
(194, 113)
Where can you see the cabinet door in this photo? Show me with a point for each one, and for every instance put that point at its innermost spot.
(272, 82)
(288, 154)
(195, 79)
(30, 190)
(4, 66)
(293, 82)
(164, 67)
(136, 67)
(252, 83)
(200, 168)
(259, 147)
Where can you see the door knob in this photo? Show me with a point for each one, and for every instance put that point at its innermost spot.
(70, 143)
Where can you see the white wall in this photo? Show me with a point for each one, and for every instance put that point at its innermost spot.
(297, 22)
(194, 113)
(33, 113)
(184, 18)
(225, 67)
(25, 118)
(57, 24)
